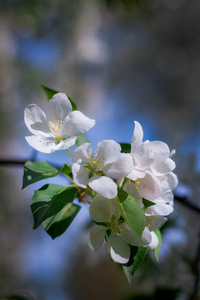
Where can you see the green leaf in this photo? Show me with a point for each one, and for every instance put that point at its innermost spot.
(137, 257)
(58, 224)
(131, 212)
(49, 92)
(66, 170)
(35, 171)
(39, 170)
(147, 203)
(49, 200)
(81, 139)
(126, 147)
(156, 251)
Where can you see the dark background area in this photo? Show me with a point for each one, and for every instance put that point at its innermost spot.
(120, 61)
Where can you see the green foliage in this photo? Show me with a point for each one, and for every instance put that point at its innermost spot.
(156, 251)
(81, 139)
(58, 224)
(126, 147)
(137, 256)
(35, 171)
(66, 170)
(49, 200)
(147, 203)
(131, 212)
(49, 92)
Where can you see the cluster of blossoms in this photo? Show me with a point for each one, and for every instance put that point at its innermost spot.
(145, 175)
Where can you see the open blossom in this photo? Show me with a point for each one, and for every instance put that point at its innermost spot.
(155, 218)
(152, 177)
(59, 128)
(121, 236)
(97, 169)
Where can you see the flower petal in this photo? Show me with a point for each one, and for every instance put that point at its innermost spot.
(149, 187)
(164, 167)
(155, 222)
(154, 242)
(80, 175)
(118, 249)
(58, 108)
(35, 120)
(76, 123)
(129, 187)
(172, 180)
(96, 237)
(41, 143)
(82, 154)
(159, 209)
(160, 149)
(143, 158)
(108, 151)
(135, 174)
(65, 144)
(101, 209)
(121, 167)
(137, 134)
(132, 239)
(104, 186)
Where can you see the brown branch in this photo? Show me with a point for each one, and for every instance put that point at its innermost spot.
(11, 162)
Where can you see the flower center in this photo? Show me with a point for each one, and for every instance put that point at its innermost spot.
(138, 182)
(97, 164)
(56, 127)
(117, 226)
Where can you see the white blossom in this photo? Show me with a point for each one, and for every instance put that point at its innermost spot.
(59, 128)
(97, 169)
(121, 236)
(151, 177)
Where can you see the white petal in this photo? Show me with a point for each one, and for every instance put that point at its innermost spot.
(149, 187)
(129, 187)
(135, 174)
(41, 143)
(137, 134)
(172, 180)
(58, 108)
(166, 193)
(118, 249)
(104, 186)
(80, 175)
(35, 120)
(65, 144)
(154, 242)
(159, 209)
(164, 167)
(132, 239)
(121, 167)
(155, 222)
(101, 209)
(160, 149)
(108, 150)
(96, 237)
(76, 123)
(143, 158)
(82, 154)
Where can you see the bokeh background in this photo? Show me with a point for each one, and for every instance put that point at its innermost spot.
(120, 61)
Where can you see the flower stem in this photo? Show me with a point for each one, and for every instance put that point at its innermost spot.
(69, 152)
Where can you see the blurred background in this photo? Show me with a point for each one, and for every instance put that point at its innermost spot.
(120, 61)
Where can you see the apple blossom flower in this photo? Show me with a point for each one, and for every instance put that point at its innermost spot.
(121, 236)
(152, 177)
(97, 169)
(155, 218)
(59, 128)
